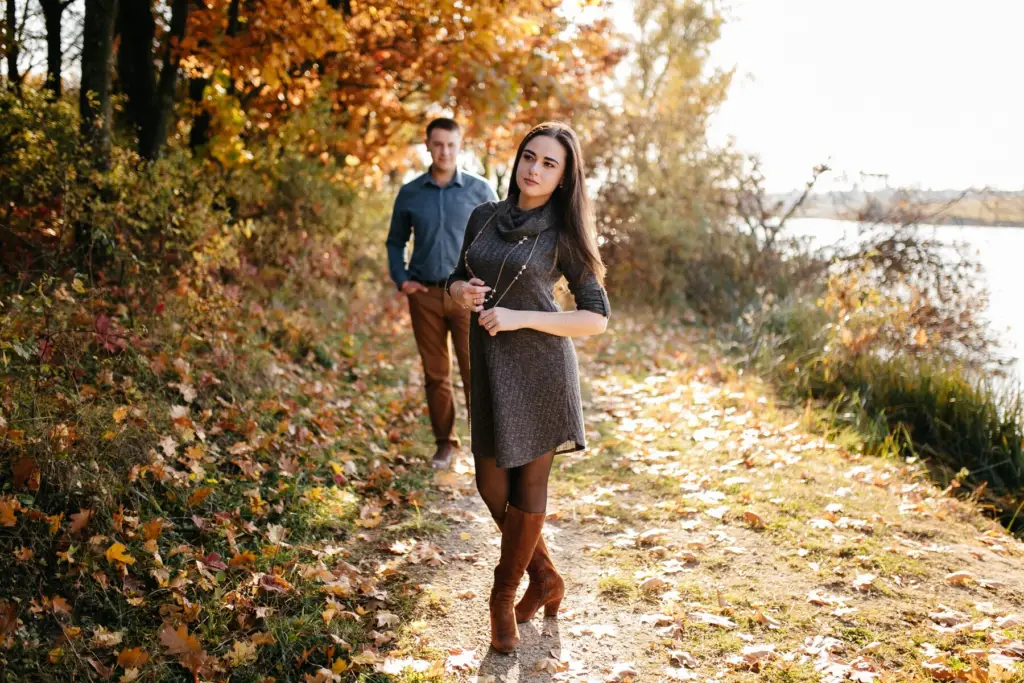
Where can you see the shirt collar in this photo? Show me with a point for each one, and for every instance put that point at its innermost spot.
(458, 179)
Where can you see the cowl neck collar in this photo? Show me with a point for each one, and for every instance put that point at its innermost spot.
(513, 223)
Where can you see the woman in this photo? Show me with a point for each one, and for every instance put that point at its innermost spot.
(525, 391)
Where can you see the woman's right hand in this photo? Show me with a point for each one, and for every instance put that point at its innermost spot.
(470, 294)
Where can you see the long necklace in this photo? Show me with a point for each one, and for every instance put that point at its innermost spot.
(494, 290)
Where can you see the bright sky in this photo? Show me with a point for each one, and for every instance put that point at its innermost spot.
(928, 91)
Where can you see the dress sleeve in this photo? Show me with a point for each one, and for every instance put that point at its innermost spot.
(473, 226)
(586, 290)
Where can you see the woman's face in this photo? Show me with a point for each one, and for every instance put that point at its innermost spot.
(541, 168)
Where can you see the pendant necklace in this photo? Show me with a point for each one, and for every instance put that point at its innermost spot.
(494, 290)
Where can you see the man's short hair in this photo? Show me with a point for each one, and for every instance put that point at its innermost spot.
(443, 124)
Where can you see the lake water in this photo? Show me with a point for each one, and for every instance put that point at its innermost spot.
(1000, 251)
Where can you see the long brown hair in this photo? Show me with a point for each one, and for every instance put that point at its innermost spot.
(578, 236)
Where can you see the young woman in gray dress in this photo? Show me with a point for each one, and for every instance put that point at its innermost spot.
(524, 387)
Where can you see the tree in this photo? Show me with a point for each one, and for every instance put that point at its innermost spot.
(151, 94)
(53, 13)
(95, 103)
(386, 67)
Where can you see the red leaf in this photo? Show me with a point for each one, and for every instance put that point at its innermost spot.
(213, 561)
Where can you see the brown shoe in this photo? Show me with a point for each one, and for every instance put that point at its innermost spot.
(442, 459)
(520, 531)
(546, 587)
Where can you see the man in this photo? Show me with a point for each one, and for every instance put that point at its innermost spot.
(435, 208)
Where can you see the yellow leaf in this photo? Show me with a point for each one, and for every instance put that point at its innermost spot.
(77, 285)
(339, 666)
(117, 552)
(120, 413)
(242, 559)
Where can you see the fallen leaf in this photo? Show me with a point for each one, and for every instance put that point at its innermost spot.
(26, 473)
(394, 666)
(461, 659)
(753, 519)
(120, 413)
(713, 619)
(621, 673)
(104, 638)
(8, 506)
(653, 584)
(1009, 621)
(550, 665)
(682, 658)
(199, 495)
(762, 618)
(242, 559)
(116, 552)
(134, 658)
(387, 620)
(717, 512)
(242, 653)
(274, 584)
(863, 582)
(178, 641)
(960, 578)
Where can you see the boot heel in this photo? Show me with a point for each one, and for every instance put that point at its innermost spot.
(551, 609)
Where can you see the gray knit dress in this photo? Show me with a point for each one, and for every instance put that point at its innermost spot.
(524, 384)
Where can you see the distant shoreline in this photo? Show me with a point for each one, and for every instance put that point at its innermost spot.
(950, 220)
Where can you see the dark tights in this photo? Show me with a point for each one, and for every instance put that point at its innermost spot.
(525, 487)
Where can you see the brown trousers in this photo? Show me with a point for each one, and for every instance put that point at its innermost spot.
(434, 314)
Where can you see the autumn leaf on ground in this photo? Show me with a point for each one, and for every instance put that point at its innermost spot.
(621, 673)
(134, 658)
(394, 666)
(551, 665)
(653, 584)
(116, 552)
(120, 414)
(199, 495)
(387, 620)
(960, 578)
(104, 638)
(242, 559)
(8, 506)
(753, 519)
(713, 619)
(242, 653)
(863, 582)
(25, 474)
(816, 597)
(762, 618)
(23, 554)
(459, 659)
(179, 642)
(597, 630)
(274, 584)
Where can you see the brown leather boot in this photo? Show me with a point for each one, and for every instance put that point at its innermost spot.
(546, 587)
(520, 531)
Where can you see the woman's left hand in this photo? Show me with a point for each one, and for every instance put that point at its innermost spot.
(495, 320)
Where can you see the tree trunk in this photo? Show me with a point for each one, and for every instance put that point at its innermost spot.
(97, 56)
(136, 71)
(154, 129)
(11, 46)
(53, 10)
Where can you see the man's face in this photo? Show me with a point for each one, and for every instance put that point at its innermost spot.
(444, 147)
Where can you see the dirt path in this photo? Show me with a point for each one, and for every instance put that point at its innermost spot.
(707, 535)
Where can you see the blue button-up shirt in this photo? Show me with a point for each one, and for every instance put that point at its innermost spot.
(436, 218)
